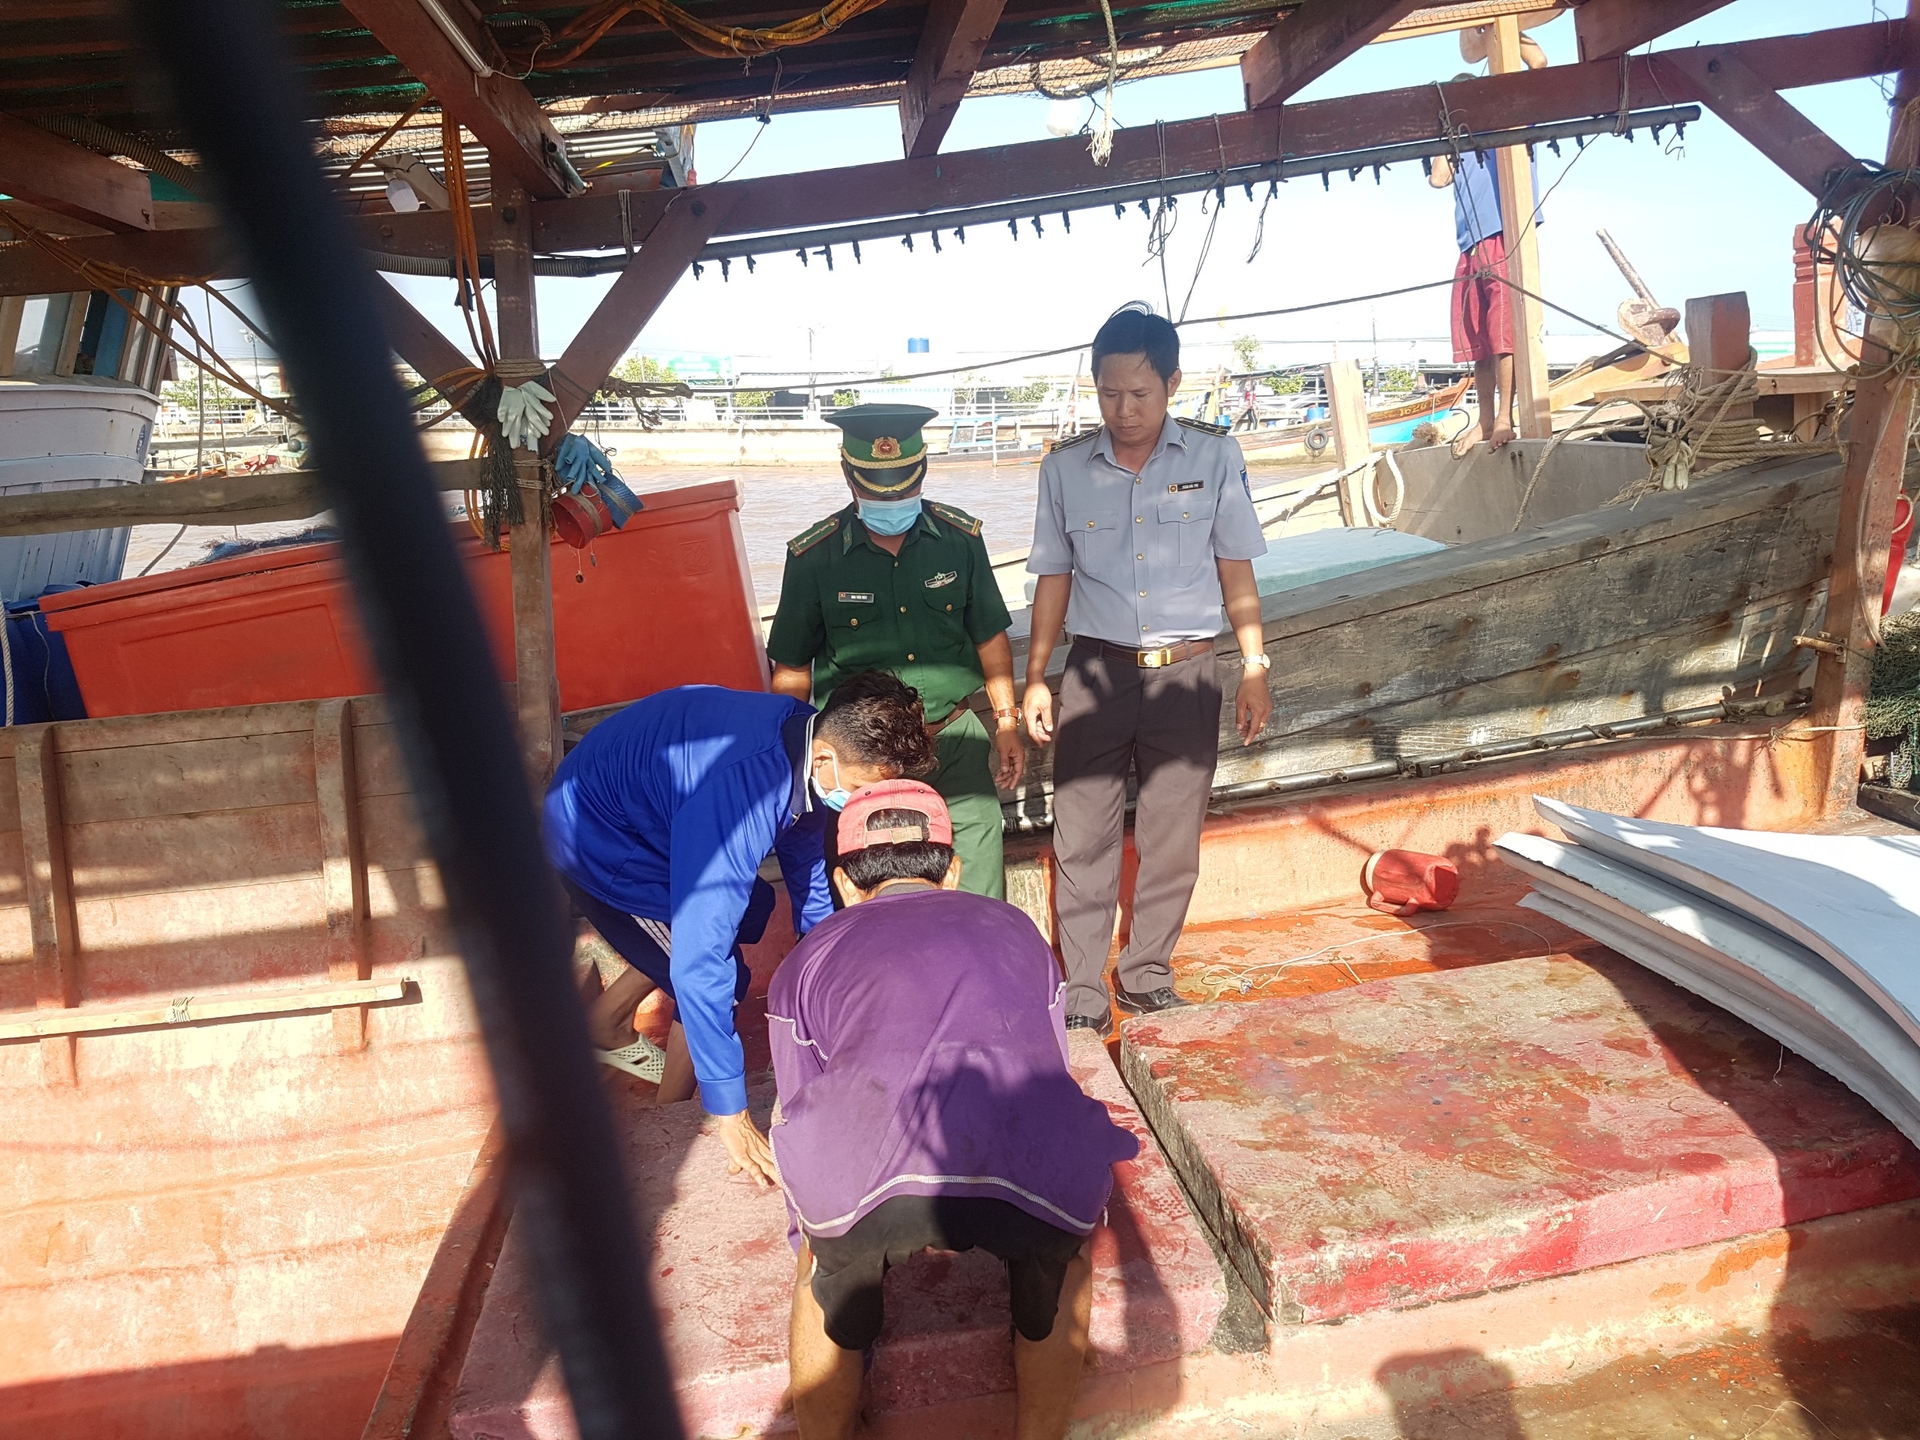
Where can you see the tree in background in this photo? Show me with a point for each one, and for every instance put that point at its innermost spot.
(644, 367)
(1246, 349)
(186, 394)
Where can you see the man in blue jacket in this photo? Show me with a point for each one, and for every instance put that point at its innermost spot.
(659, 821)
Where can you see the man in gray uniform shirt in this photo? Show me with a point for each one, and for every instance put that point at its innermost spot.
(1144, 532)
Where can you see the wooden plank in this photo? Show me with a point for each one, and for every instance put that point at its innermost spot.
(56, 953)
(188, 778)
(1352, 440)
(1446, 19)
(199, 1009)
(171, 854)
(343, 865)
(497, 108)
(1047, 167)
(1755, 110)
(1310, 40)
(537, 697)
(1720, 341)
(1513, 169)
(60, 176)
(183, 726)
(264, 928)
(624, 310)
(952, 39)
(1606, 29)
(213, 500)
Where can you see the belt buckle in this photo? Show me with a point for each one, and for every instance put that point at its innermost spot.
(1154, 659)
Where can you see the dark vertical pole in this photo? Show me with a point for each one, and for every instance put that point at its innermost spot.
(238, 97)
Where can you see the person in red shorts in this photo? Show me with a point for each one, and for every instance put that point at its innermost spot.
(1482, 301)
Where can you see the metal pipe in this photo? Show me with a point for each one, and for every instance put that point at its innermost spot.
(1427, 766)
(242, 102)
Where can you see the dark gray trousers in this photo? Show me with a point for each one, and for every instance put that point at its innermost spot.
(1112, 717)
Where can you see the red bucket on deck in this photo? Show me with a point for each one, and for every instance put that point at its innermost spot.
(1405, 882)
(1897, 547)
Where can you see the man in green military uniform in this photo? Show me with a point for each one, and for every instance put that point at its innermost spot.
(895, 583)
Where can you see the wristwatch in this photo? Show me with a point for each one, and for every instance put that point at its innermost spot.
(1262, 661)
(1007, 717)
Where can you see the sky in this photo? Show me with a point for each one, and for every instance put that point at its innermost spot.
(1699, 216)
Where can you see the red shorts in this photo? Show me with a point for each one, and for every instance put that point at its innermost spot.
(1482, 313)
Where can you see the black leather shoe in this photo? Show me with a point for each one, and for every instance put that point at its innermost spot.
(1149, 1003)
(1101, 1026)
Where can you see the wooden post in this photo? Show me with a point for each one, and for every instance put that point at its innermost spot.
(43, 841)
(1352, 443)
(1719, 339)
(1513, 167)
(1869, 487)
(537, 685)
(343, 864)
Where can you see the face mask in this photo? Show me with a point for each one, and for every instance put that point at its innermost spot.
(889, 517)
(836, 798)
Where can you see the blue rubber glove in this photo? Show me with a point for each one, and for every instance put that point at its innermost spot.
(579, 463)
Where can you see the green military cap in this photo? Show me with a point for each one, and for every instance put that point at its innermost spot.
(883, 447)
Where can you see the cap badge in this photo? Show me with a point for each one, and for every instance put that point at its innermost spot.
(886, 448)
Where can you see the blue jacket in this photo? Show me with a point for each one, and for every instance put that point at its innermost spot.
(666, 811)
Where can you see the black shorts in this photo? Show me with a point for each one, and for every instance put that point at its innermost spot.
(849, 1269)
(644, 944)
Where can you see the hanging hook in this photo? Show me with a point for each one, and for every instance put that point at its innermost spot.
(856, 254)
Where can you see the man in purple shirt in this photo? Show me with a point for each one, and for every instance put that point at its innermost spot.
(920, 1046)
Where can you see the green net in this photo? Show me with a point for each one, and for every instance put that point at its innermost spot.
(1893, 693)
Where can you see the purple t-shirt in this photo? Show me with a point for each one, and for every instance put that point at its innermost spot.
(920, 1046)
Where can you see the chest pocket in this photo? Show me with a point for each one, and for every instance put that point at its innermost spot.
(1095, 533)
(855, 624)
(946, 605)
(1190, 518)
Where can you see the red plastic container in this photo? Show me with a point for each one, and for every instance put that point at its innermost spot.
(666, 601)
(1897, 547)
(1405, 882)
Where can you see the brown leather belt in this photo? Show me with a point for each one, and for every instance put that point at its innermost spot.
(1149, 659)
(934, 727)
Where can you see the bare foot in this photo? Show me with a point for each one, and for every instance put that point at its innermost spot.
(1502, 435)
(1465, 441)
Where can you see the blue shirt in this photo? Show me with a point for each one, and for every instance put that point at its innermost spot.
(666, 811)
(1476, 200)
(1141, 548)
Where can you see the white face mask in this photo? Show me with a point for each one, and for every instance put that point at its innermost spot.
(836, 798)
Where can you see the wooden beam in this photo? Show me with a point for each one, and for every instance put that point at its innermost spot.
(49, 892)
(1046, 167)
(1513, 171)
(1606, 29)
(951, 42)
(63, 177)
(1352, 438)
(1310, 40)
(60, 1026)
(624, 310)
(499, 110)
(214, 500)
(343, 865)
(1446, 19)
(536, 676)
(1877, 450)
(416, 339)
(1757, 112)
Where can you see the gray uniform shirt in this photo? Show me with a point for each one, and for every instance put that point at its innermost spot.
(1141, 549)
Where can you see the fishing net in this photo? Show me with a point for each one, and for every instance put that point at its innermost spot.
(1893, 697)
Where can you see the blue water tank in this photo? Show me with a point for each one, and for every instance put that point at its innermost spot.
(918, 345)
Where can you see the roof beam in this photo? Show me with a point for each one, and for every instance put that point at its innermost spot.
(1049, 167)
(416, 339)
(1756, 111)
(643, 286)
(1609, 28)
(500, 112)
(951, 43)
(1311, 40)
(58, 175)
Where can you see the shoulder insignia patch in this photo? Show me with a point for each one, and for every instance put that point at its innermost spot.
(959, 519)
(1073, 440)
(1201, 425)
(813, 535)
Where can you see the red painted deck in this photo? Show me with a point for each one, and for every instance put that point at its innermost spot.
(723, 1279)
(1432, 1136)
